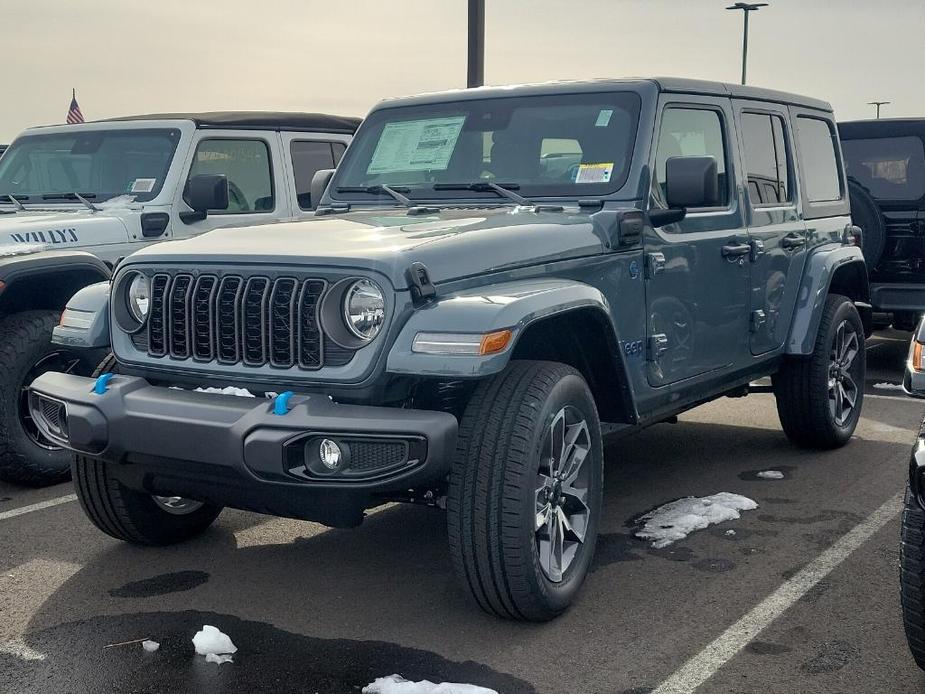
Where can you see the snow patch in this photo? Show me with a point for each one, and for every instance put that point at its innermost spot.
(230, 390)
(150, 646)
(730, 533)
(211, 641)
(7, 250)
(395, 684)
(771, 475)
(888, 386)
(218, 658)
(118, 201)
(676, 520)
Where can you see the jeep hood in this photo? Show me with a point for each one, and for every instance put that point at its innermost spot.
(452, 244)
(62, 229)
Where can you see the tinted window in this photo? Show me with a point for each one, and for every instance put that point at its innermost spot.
(307, 159)
(246, 164)
(765, 158)
(567, 144)
(891, 168)
(688, 132)
(101, 164)
(820, 166)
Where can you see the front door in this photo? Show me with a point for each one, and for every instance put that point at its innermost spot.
(697, 270)
(776, 230)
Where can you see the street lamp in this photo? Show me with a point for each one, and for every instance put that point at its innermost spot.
(746, 8)
(475, 76)
(878, 104)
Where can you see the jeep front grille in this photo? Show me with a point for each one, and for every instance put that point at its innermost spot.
(254, 321)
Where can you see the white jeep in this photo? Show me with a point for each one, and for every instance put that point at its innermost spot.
(76, 199)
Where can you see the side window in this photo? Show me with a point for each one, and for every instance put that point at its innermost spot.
(307, 158)
(765, 159)
(246, 164)
(891, 168)
(820, 166)
(688, 132)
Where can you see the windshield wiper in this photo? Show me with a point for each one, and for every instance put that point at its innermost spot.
(18, 205)
(83, 198)
(505, 190)
(395, 193)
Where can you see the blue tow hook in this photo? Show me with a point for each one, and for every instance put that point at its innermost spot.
(102, 383)
(281, 403)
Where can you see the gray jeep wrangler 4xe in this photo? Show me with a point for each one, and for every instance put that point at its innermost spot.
(495, 279)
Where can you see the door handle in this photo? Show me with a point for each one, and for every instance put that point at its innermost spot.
(791, 241)
(736, 250)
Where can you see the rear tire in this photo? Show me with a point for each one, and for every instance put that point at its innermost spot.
(866, 214)
(912, 577)
(26, 352)
(133, 516)
(522, 530)
(813, 392)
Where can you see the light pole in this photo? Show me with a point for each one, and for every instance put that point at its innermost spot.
(475, 76)
(747, 8)
(878, 104)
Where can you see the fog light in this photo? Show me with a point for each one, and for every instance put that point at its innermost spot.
(330, 454)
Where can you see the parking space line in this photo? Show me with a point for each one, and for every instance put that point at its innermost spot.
(897, 398)
(37, 507)
(705, 664)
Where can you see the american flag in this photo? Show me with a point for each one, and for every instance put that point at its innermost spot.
(73, 113)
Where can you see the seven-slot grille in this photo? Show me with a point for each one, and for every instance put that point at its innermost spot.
(230, 319)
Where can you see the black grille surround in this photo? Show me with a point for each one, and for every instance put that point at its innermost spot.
(240, 318)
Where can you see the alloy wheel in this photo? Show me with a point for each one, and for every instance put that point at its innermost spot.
(177, 505)
(843, 387)
(562, 512)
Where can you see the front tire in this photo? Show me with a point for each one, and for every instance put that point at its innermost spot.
(819, 397)
(525, 490)
(912, 577)
(133, 516)
(26, 455)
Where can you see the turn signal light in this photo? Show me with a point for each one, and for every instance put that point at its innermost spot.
(495, 342)
(915, 356)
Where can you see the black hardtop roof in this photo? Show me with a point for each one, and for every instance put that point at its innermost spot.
(257, 120)
(884, 127)
(678, 85)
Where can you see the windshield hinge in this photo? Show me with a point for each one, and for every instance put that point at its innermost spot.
(422, 289)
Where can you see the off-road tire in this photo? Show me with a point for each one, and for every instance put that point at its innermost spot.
(129, 515)
(866, 214)
(912, 577)
(25, 340)
(492, 491)
(801, 384)
(124, 513)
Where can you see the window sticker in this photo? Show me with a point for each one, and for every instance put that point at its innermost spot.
(603, 118)
(594, 173)
(143, 185)
(416, 145)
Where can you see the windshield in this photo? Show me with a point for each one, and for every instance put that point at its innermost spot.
(98, 165)
(891, 168)
(560, 145)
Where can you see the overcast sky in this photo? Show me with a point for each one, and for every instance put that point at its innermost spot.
(317, 55)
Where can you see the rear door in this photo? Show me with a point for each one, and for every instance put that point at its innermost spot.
(306, 154)
(697, 270)
(777, 233)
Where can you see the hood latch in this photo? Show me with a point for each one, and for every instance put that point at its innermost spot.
(422, 289)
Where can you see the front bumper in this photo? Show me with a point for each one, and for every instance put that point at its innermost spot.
(235, 451)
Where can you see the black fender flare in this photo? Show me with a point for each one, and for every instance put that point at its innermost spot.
(46, 279)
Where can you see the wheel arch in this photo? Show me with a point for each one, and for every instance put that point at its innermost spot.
(46, 281)
(829, 270)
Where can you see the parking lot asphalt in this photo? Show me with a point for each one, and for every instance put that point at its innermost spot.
(319, 610)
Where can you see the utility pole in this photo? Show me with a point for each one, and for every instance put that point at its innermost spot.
(476, 69)
(747, 8)
(878, 104)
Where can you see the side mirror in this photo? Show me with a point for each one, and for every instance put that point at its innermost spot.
(203, 193)
(691, 182)
(320, 182)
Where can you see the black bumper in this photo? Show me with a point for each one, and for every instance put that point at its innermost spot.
(898, 296)
(235, 451)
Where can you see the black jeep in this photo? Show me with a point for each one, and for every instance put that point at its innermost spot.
(885, 160)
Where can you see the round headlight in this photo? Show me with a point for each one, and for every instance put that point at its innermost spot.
(364, 309)
(139, 298)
